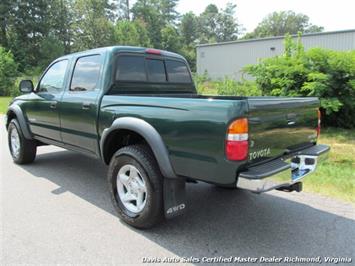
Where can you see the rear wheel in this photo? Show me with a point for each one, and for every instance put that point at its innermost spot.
(23, 151)
(135, 184)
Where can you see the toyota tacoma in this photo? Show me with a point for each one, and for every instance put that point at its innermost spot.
(137, 110)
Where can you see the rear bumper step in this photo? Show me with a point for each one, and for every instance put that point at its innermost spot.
(283, 173)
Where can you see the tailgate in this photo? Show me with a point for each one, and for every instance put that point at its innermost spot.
(278, 125)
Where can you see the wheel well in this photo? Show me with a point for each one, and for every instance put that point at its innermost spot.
(10, 115)
(119, 139)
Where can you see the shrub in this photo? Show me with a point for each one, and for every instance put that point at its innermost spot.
(30, 74)
(232, 87)
(226, 86)
(8, 71)
(327, 74)
(202, 83)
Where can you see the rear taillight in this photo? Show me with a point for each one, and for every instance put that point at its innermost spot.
(319, 121)
(237, 140)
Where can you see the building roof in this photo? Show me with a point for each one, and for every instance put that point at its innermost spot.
(276, 37)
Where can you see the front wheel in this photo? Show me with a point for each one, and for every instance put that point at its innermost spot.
(135, 185)
(23, 151)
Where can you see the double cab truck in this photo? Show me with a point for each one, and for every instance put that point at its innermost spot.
(137, 110)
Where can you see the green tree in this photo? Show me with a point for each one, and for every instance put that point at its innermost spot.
(227, 27)
(218, 26)
(8, 71)
(188, 28)
(131, 33)
(92, 27)
(170, 39)
(281, 23)
(62, 21)
(168, 10)
(51, 48)
(5, 16)
(148, 12)
(32, 27)
(207, 23)
(144, 39)
(30, 24)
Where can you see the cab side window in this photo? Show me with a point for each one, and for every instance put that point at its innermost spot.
(53, 80)
(86, 73)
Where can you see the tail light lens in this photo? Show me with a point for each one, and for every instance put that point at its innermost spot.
(319, 121)
(237, 144)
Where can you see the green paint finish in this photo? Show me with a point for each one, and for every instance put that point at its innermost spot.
(278, 124)
(192, 127)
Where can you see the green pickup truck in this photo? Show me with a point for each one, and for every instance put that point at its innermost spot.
(138, 111)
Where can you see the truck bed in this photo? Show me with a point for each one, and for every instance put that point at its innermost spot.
(193, 127)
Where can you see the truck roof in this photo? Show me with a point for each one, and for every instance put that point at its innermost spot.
(115, 49)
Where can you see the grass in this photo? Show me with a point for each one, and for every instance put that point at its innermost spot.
(4, 102)
(336, 176)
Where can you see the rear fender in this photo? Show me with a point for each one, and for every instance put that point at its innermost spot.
(149, 133)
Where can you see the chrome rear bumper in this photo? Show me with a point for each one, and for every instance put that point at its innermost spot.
(283, 172)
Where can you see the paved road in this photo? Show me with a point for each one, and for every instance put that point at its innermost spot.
(57, 210)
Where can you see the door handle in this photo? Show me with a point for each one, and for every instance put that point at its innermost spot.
(86, 106)
(53, 105)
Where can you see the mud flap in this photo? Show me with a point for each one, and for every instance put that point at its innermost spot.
(174, 197)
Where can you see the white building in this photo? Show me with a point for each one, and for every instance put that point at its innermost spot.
(228, 58)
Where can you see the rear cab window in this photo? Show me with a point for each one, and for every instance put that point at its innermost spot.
(139, 73)
(177, 72)
(130, 68)
(86, 73)
(156, 70)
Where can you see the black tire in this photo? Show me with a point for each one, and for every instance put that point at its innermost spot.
(28, 148)
(141, 157)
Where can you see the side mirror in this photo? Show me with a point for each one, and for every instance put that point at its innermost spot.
(26, 86)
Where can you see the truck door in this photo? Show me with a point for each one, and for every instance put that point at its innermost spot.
(42, 112)
(79, 104)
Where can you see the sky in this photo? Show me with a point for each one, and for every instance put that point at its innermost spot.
(332, 15)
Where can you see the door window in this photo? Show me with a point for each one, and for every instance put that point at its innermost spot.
(86, 73)
(53, 79)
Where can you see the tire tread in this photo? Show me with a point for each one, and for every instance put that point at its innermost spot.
(144, 156)
(28, 147)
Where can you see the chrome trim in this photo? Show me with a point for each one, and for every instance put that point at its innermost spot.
(283, 178)
(265, 184)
